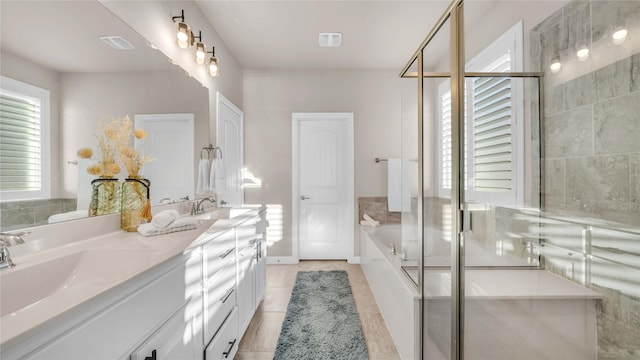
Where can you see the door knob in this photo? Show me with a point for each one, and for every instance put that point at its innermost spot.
(302, 197)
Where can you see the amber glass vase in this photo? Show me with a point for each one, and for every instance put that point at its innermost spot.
(105, 196)
(135, 193)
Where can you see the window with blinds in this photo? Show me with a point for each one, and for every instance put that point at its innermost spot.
(491, 126)
(23, 112)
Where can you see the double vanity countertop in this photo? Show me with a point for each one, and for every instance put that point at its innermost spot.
(61, 268)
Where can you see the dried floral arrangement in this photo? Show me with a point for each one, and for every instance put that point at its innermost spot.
(116, 136)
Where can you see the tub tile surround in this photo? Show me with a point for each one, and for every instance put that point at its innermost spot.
(378, 209)
(592, 164)
(19, 214)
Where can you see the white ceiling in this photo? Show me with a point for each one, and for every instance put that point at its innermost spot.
(63, 35)
(284, 34)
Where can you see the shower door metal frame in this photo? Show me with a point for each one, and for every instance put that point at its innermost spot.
(457, 74)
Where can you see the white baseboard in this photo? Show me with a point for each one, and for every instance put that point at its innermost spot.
(354, 260)
(282, 260)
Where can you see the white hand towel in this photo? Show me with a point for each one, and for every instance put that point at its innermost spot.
(218, 177)
(203, 177)
(164, 218)
(180, 224)
(398, 196)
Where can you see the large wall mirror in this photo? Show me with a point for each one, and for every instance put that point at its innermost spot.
(56, 46)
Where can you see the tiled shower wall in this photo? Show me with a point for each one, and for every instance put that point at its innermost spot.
(20, 214)
(591, 127)
(591, 134)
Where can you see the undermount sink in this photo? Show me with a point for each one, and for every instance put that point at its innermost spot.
(27, 284)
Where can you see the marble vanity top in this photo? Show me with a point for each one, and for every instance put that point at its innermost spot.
(54, 276)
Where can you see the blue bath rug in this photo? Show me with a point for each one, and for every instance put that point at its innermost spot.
(322, 322)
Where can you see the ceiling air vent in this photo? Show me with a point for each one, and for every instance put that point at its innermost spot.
(330, 39)
(117, 42)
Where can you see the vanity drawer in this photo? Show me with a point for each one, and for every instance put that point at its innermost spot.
(225, 344)
(218, 256)
(220, 296)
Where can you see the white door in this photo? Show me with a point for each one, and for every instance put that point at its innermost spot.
(169, 141)
(229, 138)
(323, 185)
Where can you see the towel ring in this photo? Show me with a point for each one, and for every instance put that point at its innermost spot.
(204, 150)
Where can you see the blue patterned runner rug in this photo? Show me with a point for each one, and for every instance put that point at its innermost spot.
(322, 321)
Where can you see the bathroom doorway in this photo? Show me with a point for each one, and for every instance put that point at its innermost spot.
(323, 185)
(170, 142)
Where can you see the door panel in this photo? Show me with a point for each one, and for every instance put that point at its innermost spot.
(325, 186)
(169, 141)
(230, 140)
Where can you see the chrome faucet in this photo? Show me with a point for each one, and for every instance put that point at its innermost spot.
(392, 248)
(196, 206)
(7, 240)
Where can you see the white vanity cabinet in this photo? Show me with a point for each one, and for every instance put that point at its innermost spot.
(196, 304)
(180, 337)
(132, 315)
(219, 282)
(251, 268)
(225, 344)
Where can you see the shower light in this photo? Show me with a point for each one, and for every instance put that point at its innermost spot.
(213, 63)
(583, 53)
(184, 36)
(555, 65)
(619, 36)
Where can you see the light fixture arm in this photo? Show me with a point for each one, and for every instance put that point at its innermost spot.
(213, 51)
(181, 17)
(199, 36)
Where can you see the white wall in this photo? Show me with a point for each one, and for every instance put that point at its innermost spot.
(31, 73)
(152, 20)
(89, 97)
(271, 96)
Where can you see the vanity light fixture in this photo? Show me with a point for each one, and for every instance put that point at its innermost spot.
(213, 63)
(201, 53)
(583, 52)
(555, 65)
(184, 36)
(619, 35)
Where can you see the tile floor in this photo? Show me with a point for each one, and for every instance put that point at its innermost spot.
(259, 342)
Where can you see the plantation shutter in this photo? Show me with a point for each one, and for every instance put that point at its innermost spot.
(492, 128)
(20, 150)
(445, 135)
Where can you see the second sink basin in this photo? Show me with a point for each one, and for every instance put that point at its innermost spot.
(28, 284)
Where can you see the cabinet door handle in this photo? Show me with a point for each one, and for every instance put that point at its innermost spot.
(152, 357)
(226, 253)
(228, 352)
(227, 294)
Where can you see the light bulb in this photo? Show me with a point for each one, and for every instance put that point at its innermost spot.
(183, 35)
(583, 53)
(200, 53)
(555, 65)
(619, 36)
(213, 66)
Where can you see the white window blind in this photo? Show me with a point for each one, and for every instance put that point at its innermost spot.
(23, 125)
(492, 129)
(445, 135)
(493, 136)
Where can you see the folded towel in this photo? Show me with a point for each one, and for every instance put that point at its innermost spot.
(218, 178)
(164, 218)
(180, 224)
(368, 221)
(203, 177)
